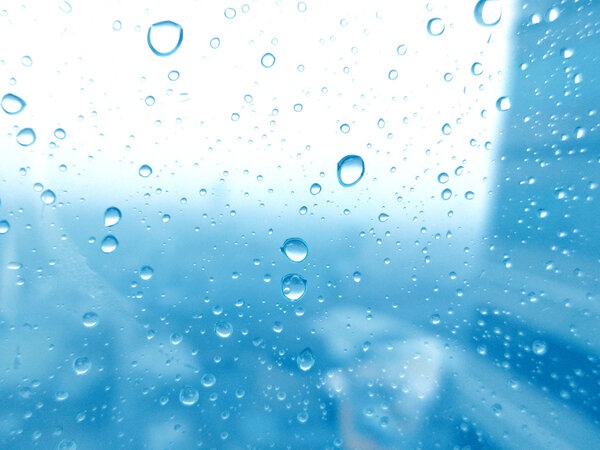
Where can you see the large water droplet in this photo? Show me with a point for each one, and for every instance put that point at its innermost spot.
(164, 38)
(109, 244)
(26, 137)
(146, 273)
(145, 171)
(48, 197)
(446, 194)
(305, 360)
(436, 26)
(295, 249)
(90, 319)
(223, 329)
(188, 396)
(267, 60)
(4, 226)
(293, 286)
(11, 104)
(315, 188)
(383, 217)
(503, 104)
(350, 170)
(82, 365)
(112, 216)
(488, 12)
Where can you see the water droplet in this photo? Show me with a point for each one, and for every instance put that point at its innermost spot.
(82, 365)
(173, 75)
(146, 273)
(26, 137)
(230, 13)
(145, 171)
(293, 286)
(435, 319)
(477, 69)
(90, 319)
(67, 444)
(295, 249)
(488, 12)
(401, 50)
(267, 60)
(435, 26)
(469, 195)
(48, 197)
(164, 38)
(215, 42)
(303, 210)
(109, 244)
(381, 123)
(305, 360)
(301, 6)
(208, 380)
(446, 129)
(567, 53)
(350, 170)
(112, 216)
(497, 409)
(26, 61)
(357, 276)
(149, 100)
(11, 104)
(383, 217)
(393, 74)
(298, 107)
(539, 348)
(503, 104)
(176, 338)
(446, 194)
(345, 128)
(4, 226)
(223, 329)
(117, 25)
(188, 396)
(443, 178)
(315, 188)
(59, 133)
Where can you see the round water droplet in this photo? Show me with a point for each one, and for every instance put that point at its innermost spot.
(383, 217)
(436, 26)
(59, 133)
(345, 128)
(305, 360)
(393, 74)
(447, 129)
(215, 42)
(149, 100)
(26, 61)
(4, 226)
(401, 50)
(146, 273)
(539, 348)
(315, 188)
(112, 216)
(381, 123)
(90, 319)
(223, 329)
(435, 319)
(443, 177)
(11, 104)
(469, 195)
(350, 170)
(477, 69)
(145, 171)
(267, 60)
(117, 25)
(230, 13)
(208, 380)
(488, 12)
(164, 38)
(188, 396)
(173, 75)
(295, 249)
(503, 104)
(446, 194)
(293, 286)
(176, 338)
(109, 244)
(48, 197)
(82, 365)
(67, 444)
(26, 137)
(357, 276)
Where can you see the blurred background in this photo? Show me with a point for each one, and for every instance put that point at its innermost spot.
(186, 260)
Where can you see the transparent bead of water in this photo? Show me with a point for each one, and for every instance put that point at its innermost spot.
(164, 38)
(383, 217)
(112, 216)
(189, 396)
(67, 444)
(357, 276)
(436, 26)
(90, 319)
(208, 380)
(4, 226)
(293, 286)
(503, 104)
(12, 104)
(443, 178)
(59, 133)
(48, 197)
(315, 188)
(295, 249)
(305, 360)
(223, 329)
(539, 348)
(267, 60)
(446, 194)
(350, 170)
(109, 244)
(215, 42)
(82, 365)
(146, 273)
(145, 171)
(488, 12)
(26, 137)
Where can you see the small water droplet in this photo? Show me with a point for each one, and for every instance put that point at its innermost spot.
(383, 217)
(315, 188)
(350, 170)
(223, 329)
(293, 286)
(146, 273)
(109, 244)
(82, 365)
(145, 171)
(59, 133)
(149, 100)
(447, 129)
(435, 319)
(477, 69)
(164, 38)
(67, 444)
(11, 104)
(503, 104)
(188, 396)
(393, 74)
(112, 216)
(301, 6)
(469, 195)
(446, 194)
(116, 25)
(539, 348)
(208, 380)
(443, 178)
(48, 197)
(215, 42)
(345, 128)
(567, 53)
(176, 338)
(357, 276)
(435, 26)
(26, 61)
(267, 60)
(305, 360)
(401, 50)
(173, 75)
(230, 13)
(488, 12)
(381, 123)
(90, 319)
(295, 249)
(4, 226)
(26, 137)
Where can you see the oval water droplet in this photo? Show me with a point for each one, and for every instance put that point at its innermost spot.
(447, 129)
(446, 194)
(295, 249)
(293, 286)
(350, 170)
(48, 197)
(477, 69)
(469, 195)
(11, 104)
(381, 123)
(82, 365)
(26, 137)
(230, 13)
(383, 217)
(436, 26)
(443, 178)
(164, 38)
(208, 380)
(357, 276)
(109, 244)
(315, 188)
(145, 171)
(401, 49)
(215, 42)
(90, 319)
(67, 444)
(59, 133)
(4, 226)
(539, 348)
(503, 104)
(267, 60)
(488, 12)
(305, 360)
(223, 329)
(146, 273)
(112, 216)
(188, 396)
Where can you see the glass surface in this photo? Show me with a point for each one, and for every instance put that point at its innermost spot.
(315, 224)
